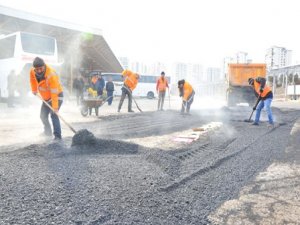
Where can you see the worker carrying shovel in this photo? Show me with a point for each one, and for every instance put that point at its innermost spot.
(45, 84)
(130, 82)
(265, 94)
(161, 86)
(187, 93)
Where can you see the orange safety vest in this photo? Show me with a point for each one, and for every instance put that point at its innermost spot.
(162, 84)
(187, 90)
(94, 79)
(130, 79)
(49, 88)
(266, 90)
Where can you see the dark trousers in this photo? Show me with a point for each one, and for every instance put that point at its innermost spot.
(126, 91)
(186, 105)
(161, 99)
(96, 110)
(110, 96)
(79, 96)
(45, 111)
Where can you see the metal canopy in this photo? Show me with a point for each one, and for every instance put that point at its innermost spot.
(78, 46)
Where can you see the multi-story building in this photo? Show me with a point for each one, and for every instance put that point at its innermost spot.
(213, 74)
(277, 57)
(180, 71)
(140, 67)
(195, 73)
(157, 67)
(124, 62)
(241, 57)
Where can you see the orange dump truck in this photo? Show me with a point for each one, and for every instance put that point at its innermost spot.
(239, 90)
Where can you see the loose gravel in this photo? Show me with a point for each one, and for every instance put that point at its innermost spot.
(106, 181)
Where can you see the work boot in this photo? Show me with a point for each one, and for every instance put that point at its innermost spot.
(131, 111)
(56, 138)
(255, 124)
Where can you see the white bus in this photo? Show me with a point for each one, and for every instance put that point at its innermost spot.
(146, 86)
(17, 51)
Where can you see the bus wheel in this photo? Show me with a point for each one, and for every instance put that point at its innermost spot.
(150, 95)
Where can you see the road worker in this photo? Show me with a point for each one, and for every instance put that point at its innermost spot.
(262, 91)
(45, 82)
(187, 93)
(161, 87)
(130, 81)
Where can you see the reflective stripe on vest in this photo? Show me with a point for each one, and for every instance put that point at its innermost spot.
(43, 89)
(54, 90)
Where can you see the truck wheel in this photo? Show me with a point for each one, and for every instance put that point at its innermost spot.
(230, 101)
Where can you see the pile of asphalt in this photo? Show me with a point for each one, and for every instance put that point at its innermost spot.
(83, 137)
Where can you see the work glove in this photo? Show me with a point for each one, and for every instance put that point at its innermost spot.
(254, 108)
(34, 93)
(261, 90)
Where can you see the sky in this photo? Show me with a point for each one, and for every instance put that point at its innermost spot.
(190, 31)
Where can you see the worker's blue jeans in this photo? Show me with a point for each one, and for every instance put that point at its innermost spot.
(110, 94)
(264, 103)
(45, 111)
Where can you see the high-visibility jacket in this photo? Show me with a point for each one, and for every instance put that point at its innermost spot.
(130, 79)
(49, 87)
(257, 87)
(187, 91)
(162, 84)
(94, 80)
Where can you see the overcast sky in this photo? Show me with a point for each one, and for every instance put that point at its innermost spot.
(192, 31)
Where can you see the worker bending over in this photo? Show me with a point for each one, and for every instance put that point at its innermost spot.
(187, 93)
(130, 82)
(262, 91)
(45, 82)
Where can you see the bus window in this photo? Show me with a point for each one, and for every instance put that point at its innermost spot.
(115, 77)
(17, 51)
(37, 44)
(7, 47)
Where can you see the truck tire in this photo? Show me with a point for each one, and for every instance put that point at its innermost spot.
(230, 100)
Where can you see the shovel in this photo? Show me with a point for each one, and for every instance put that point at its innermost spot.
(105, 101)
(254, 108)
(133, 98)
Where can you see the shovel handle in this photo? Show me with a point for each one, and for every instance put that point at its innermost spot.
(50, 107)
(133, 99)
